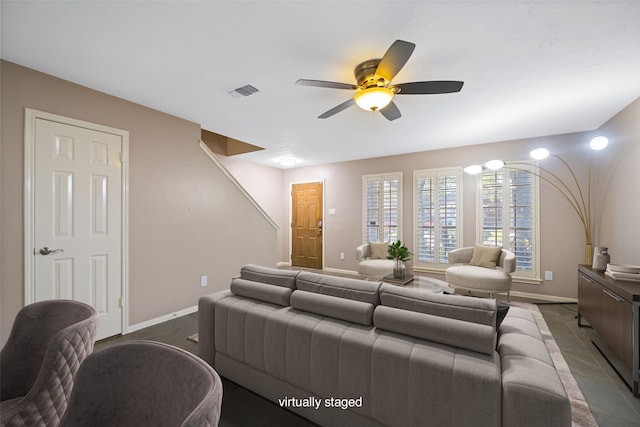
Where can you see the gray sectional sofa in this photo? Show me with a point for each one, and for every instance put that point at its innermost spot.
(348, 352)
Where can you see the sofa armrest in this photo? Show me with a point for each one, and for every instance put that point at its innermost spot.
(206, 325)
(507, 261)
(363, 252)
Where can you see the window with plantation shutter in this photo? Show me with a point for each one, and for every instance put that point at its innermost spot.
(382, 207)
(509, 216)
(438, 222)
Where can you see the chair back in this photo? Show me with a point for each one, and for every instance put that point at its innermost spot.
(38, 363)
(144, 383)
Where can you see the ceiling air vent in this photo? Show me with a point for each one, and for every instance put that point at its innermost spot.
(245, 90)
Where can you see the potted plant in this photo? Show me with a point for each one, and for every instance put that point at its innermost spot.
(400, 254)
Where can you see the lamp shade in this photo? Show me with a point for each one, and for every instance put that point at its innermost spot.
(473, 169)
(374, 98)
(599, 143)
(539, 153)
(494, 165)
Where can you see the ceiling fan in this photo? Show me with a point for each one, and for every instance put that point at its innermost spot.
(374, 90)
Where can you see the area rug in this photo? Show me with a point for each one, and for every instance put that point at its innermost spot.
(581, 415)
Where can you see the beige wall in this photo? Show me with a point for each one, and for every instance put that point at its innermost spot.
(185, 217)
(618, 188)
(562, 237)
(263, 183)
(187, 220)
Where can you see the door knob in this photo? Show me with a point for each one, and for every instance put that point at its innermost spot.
(46, 250)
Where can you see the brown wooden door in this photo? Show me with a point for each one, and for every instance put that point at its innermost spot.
(306, 225)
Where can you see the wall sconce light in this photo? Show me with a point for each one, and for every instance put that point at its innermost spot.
(570, 190)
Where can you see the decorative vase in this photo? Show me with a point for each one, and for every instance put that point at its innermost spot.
(600, 258)
(588, 253)
(398, 270)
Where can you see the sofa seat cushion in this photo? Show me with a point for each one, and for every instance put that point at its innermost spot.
(480, 278)
(375, 267)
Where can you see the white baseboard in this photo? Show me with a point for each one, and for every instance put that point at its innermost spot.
(283, 264)
(161, 319)
(551, 298)
(340, 271)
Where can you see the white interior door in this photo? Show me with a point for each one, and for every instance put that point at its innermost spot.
(78, 216)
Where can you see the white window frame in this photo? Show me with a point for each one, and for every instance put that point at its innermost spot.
(380, 178)
(437, 265)
(523, 276)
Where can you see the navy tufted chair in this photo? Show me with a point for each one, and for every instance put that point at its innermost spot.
(38, 363)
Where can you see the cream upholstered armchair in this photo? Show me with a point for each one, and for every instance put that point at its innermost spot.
(372, 259)
(481, 268)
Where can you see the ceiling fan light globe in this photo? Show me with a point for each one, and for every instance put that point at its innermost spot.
(374, 98)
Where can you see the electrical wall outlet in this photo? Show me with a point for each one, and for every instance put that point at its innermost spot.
(203, 281)
(342, 256)
(548, 275)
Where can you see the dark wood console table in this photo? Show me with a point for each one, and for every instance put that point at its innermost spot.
(612, 308)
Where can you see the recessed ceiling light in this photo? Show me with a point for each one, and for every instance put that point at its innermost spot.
(288, 161)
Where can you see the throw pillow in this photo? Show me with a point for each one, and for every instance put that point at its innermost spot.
(485, 256)
(379, 250)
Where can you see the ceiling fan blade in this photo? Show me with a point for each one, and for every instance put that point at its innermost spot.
(322, 83)
(394, 59)
(429, 88)
(391, 111)
(337, 109)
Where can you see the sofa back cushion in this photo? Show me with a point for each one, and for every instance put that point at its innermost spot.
(272, 276)
(342, 298)
(342, 287)
(444, 330)
(336, 307)
(455, 320)
(266, 292)
(468, 309)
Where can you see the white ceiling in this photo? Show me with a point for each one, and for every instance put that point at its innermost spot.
(531, 68)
